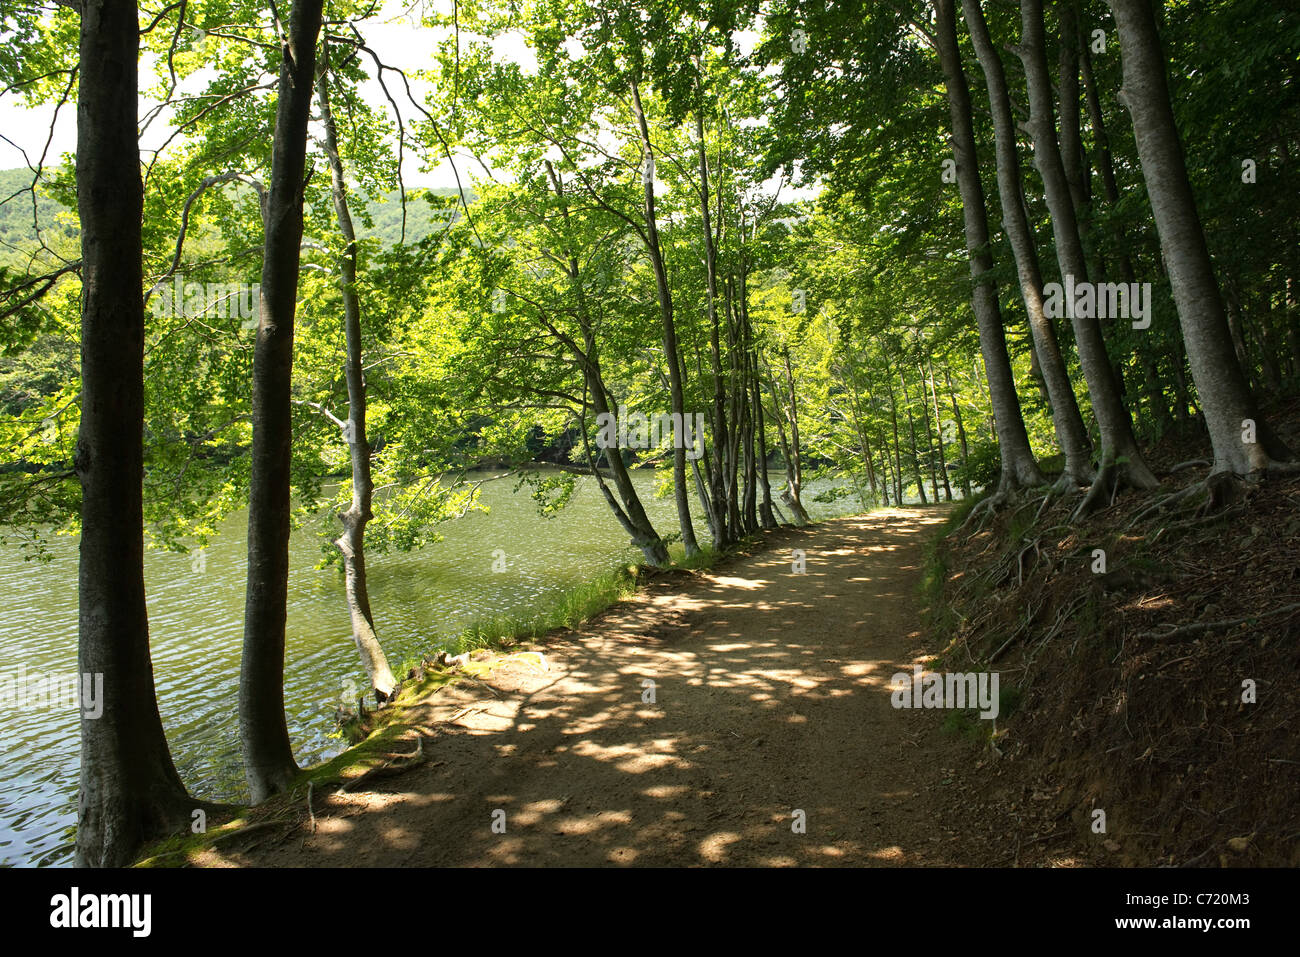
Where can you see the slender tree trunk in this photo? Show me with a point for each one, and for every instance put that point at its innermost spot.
(1224, 393)
(794, 489)
(264, 734)
(1018, 465)
(631, 513)
(765, 516)
(790, 500)
(1121, 459)
(750, 509)
(938, 429)
(1071, 434)
(911, 434)
(1155, 394)
(1101, 144)
(863, 442)
(671, 353)
(898, 455)
(721, 439)
(1071, 121)
(961, 434)
(129, 792)
(352, 543)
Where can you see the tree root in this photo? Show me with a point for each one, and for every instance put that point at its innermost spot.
(1202, 627)
(1165, 501)
(985, 506)
(397, 765)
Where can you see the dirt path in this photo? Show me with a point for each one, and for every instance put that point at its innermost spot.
(771, 695)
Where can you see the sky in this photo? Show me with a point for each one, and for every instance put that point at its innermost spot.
(396, 35)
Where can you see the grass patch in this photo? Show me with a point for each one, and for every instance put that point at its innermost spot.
(376, 736)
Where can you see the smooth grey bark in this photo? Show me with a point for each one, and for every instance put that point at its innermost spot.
(766, 519)
(961, 433)
(129, 791)
(911, 434)
(671, 354)
(1071, 118)
(749, 507)
(717, 473)
(1104, 161)
(938, 430)
(1071, 435)
(1121, 460)
(263, 731)
(1224, 393)
(352, 543)
(1019, 468)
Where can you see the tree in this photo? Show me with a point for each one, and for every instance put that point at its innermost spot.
(352, 543)
(129, 789)
(1019, 467)
(264, 735)
(1121, 460)
(1242, 441)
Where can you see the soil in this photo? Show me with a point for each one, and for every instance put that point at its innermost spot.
(771, 708)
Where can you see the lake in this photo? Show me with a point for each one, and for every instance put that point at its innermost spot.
(196, 608)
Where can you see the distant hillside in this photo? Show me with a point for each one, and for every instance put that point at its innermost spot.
(16, 215)
(421, 217)
(16, 228)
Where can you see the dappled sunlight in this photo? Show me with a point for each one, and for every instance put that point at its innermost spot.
(684, 726)
(746, 583)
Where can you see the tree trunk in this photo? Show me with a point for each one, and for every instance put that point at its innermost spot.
(938, 429)
(765, 516)
(717, 474)
(129, 792)
(670, 340)
(911, 434)
(1121, 460)
(1224, 394)
(1101, 143)
(1018, 465)
(1071, 434)
(631, 513)
(264, 735)
(794, 472)
(961, 434)
(749, 511)
(352, 543)
(898, 455)
(790, 500)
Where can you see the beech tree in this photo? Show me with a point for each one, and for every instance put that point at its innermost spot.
(1242, 441)
(264, 735)
(129, 789)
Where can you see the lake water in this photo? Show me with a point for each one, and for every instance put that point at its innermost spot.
(196, 626)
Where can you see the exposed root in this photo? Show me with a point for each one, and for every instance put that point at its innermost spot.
(1201, 627)
(1165, 501)
(397, 765)
(985, 509)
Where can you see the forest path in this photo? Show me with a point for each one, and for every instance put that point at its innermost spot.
(771, 695)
